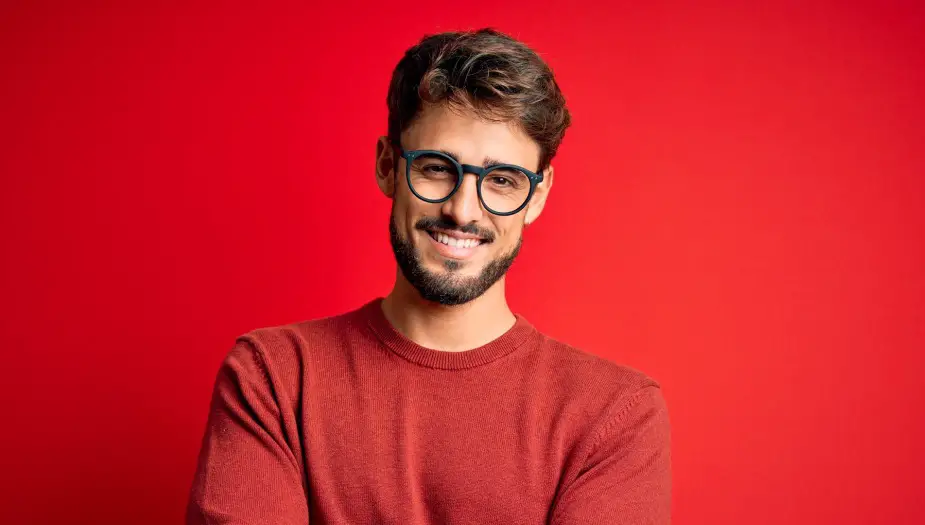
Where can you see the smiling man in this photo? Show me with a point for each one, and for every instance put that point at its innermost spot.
(437, 404)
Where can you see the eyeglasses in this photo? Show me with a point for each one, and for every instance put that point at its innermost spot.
(434, 176)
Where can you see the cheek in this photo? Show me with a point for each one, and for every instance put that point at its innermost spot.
(404, 205)
(409, 212)
(509, 229)
(404, 218)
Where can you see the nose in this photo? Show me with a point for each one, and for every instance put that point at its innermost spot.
(464, 206)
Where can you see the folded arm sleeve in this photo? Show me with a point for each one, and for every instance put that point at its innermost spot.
(248, 470)
(626, 478)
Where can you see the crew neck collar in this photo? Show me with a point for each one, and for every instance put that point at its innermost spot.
(509, 341)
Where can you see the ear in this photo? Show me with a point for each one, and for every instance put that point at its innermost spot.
(385, 166)
(538, 200)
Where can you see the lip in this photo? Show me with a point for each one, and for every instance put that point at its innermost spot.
(454, 252)
(457, 234)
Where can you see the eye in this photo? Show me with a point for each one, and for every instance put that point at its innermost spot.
(501, 182)
(433, 167)
(507, 180)
(436, 168)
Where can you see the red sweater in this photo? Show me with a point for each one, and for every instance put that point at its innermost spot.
(345, 421)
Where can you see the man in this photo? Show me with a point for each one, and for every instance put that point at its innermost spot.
(437, 404)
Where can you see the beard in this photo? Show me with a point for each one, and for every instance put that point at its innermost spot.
(446, 288)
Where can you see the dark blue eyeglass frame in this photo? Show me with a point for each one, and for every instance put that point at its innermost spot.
(461, 170)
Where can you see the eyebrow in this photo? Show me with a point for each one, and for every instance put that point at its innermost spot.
(486, 162)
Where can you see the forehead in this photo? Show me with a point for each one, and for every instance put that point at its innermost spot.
(441, 127)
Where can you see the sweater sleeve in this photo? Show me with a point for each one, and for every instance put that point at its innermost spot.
(626, 478)
(248, 470)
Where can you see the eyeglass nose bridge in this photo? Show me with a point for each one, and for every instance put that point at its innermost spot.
(480, 173)
(477, 170)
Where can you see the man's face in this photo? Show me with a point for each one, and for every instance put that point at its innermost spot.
(454, 251)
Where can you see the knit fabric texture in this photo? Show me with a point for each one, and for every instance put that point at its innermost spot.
(343, 420)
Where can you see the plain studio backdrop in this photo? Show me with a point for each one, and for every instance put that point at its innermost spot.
(739, 211)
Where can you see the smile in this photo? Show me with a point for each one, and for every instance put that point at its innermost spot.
(454, 241)
(455, 247)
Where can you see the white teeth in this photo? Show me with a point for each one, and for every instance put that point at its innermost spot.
(457, 243)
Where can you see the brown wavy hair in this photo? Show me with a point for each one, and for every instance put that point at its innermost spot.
(485, 71)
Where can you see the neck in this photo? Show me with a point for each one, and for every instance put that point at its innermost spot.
(449, 328)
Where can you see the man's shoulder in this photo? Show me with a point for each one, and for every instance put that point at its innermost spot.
(593, 391)
(584, 367)
(296, 329)
(284, 343)
(589, 386)
(282, 354)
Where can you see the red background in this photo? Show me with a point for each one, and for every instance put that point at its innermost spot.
(738, 211)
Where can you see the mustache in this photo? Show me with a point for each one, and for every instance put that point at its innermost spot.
(432, 223)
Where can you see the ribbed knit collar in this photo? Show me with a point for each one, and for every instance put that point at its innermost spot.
(509, 341)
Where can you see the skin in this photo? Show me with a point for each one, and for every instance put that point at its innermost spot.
(488, 316)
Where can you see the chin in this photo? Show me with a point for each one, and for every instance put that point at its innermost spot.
(445, 265)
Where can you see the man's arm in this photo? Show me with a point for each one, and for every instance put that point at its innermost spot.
(626, 478)
(249, 466)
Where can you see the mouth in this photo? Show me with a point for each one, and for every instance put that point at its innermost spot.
(453, 245)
